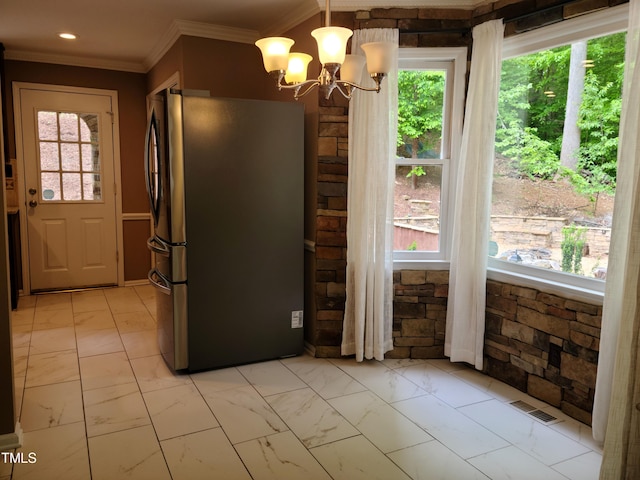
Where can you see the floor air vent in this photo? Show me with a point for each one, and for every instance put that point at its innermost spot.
(531, 410)
(543, 416)
(522, 405)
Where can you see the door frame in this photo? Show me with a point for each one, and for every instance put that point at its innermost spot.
(21, 187)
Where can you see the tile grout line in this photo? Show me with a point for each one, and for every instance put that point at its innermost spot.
(84, 411)
(289, 369)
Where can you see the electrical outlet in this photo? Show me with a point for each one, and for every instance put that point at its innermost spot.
(296, 319)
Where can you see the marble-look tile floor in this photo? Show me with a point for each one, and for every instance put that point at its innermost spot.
(96, 401)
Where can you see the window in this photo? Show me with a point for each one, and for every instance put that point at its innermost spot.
(69, 160)
(556, 150)
(430, 103)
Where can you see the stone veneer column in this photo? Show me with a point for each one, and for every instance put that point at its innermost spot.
(446, 27)
(331, 228)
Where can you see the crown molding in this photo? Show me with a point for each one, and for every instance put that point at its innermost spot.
(295, 17)
(197, 29)
(217, 32)
(39, 57)
(164, 44)
(351, 5)
(230, 34)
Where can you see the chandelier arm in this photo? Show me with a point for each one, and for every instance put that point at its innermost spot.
(311, 84)
(366, 89)
(276, 60)
(340, 88)
(296, 86)
(360, 87)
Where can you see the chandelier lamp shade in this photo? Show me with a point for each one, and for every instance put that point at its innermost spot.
(340, 71)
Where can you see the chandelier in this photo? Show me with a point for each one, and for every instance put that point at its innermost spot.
(332, 45)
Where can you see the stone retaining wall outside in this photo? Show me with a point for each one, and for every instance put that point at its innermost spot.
(544, 232)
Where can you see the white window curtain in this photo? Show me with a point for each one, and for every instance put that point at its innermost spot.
(368, 317)
(616, 410)
(464, 337)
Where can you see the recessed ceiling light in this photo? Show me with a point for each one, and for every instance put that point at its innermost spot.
(67, 36)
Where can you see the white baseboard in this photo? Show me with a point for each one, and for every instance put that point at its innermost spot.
(11, 441)
(136, 283)
(310, 349)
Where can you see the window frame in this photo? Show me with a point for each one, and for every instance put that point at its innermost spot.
(454, 60)
(593, 25)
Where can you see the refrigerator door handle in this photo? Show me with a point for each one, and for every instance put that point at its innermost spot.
(159, 282)
(158, 246)
(153, 178)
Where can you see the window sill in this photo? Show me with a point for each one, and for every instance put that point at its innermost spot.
(585, 294)
(591, 291)
(403, 264)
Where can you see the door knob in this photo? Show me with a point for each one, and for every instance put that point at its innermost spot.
(33, 203)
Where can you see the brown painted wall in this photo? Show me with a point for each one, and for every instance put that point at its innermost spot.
(169, 64)
(226, 69)
(230, 69)
(131, 93)
(131, 88)
(305, 43)
(136, 233)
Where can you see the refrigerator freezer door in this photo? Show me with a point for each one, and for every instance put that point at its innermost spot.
(171, 260)
(171, 317)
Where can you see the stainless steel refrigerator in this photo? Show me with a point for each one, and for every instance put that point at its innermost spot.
(225, 184)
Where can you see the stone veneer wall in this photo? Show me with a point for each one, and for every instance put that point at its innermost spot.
(420, 297)
(543, 344)
(537, 342)
(419, 313)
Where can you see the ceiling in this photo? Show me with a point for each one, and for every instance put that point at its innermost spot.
(132, 35)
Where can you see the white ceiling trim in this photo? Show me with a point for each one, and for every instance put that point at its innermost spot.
(350, 5)
(74, 61)
(220, 32)
(182, 27)
(291, 19)
(197, 29)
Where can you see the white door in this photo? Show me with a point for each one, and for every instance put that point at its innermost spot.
(68, 152)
